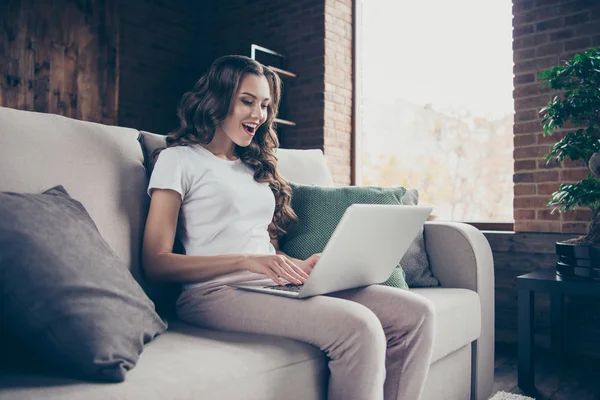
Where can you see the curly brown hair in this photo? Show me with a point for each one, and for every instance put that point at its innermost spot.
(206, 106)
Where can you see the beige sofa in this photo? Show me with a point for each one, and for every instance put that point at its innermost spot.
(104, 168)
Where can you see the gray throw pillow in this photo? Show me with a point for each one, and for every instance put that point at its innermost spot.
(415, 262)
(65, 294)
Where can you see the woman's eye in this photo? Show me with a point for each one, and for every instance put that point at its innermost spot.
(264, 106)
(249, 103)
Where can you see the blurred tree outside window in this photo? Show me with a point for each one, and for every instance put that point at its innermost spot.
(436, 106)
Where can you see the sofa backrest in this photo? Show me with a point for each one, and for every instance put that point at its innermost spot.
(101, 166)
(105, 168)
(306, 167)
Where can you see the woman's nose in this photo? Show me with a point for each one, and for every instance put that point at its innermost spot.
(256, 112)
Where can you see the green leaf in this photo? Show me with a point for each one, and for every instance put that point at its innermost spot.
(585, 193)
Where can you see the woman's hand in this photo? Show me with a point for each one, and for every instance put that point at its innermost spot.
(308, 264)
(276, 267)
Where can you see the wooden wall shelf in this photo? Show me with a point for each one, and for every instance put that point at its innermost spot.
(282, 72)
(284, 122)
(269, 57)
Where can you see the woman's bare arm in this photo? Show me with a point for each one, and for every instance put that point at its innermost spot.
(160, 263)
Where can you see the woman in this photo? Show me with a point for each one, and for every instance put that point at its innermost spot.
(217, 184)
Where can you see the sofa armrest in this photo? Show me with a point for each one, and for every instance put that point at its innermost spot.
(461, 257)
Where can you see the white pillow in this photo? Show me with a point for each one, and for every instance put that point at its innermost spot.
(304, 166)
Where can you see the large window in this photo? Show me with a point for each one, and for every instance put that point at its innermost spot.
(435, 105)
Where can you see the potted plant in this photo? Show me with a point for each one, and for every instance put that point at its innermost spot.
(577, 107)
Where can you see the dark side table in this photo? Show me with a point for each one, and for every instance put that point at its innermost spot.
(544, 280)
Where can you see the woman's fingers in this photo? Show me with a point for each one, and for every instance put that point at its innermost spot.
(287, 275)
(273, 276)
(296, 271)
(296, 268)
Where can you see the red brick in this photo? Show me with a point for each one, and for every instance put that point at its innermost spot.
(530, 41)
(547, 215)
(522, 55)
(578, 44)
(549, 24)
(587, 29)
(532, 102)
(524, 140)
(523, 165)
(575, 227)
(547, 188)
(524, 189)
(530, 202)
(573, 175)
(537, 226)
(522, 19)
(522, 66)
(532, 89)
(550, 139)
(521, 6)
(522, 31)
(527, 127)
(524, 78)
(530, 152)
(520, 177)
(524, 214)
(547, 62)
(570, 7)
(546, 3)
(543, 164)
(579, 215)
(577, 19)
(527, 115)
(561, 35)
(545, 176)
(549, 49)
(570, 164)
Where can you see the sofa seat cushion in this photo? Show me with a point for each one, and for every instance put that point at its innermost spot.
(192, 363)
(458, 318)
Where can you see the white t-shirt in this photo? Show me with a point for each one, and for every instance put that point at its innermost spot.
(223, 209)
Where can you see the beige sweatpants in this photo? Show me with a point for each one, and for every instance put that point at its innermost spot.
(378, 339)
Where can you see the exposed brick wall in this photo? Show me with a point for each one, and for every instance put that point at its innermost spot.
(315, 36)
(545, 33)
(166, 46)
(158, 56)
(338, 88)
(294, 29)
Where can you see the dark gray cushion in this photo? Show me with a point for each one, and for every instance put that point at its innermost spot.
(64, 293)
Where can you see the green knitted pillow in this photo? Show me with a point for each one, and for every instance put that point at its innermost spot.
(320, 208)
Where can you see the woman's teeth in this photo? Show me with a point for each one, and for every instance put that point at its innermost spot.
(249, 129)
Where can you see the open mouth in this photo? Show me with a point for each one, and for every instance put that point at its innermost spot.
(250, 129)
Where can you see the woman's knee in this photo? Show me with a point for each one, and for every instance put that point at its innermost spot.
(419, 313)
(361, 331)
(424, 317)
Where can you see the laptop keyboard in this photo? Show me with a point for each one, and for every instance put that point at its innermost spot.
(290, 287)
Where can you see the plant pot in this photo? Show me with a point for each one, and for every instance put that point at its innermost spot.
(575, 261)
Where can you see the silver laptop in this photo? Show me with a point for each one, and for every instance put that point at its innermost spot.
(365, 247)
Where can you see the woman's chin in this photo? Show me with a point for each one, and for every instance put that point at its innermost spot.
(244, 142)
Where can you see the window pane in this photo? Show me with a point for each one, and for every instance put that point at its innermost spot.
(435, 103)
